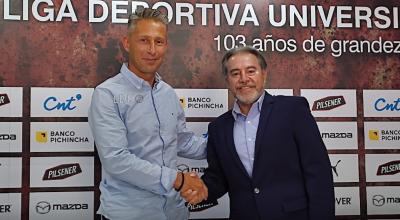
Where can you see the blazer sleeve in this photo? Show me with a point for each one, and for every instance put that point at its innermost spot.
(213, 176)
(315, 164)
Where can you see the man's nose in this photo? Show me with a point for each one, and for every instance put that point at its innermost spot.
(243, 77)
(152, 48)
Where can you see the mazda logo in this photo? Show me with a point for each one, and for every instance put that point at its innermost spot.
(378, 200)
(183, 167)
(43, 207)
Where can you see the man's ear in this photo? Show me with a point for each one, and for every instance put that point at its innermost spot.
(125, 43)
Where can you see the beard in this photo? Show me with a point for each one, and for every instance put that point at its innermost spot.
(249, 98)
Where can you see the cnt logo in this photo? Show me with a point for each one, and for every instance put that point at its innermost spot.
(52, 103)
(44, 207)
(4, 99)
(389, 168)
(381, 105)
(328, 103)
(62, 171)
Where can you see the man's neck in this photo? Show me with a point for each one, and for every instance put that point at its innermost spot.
(244, 108)
(149, 78)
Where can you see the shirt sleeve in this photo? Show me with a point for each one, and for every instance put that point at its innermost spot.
(189, 145)
(109, 133)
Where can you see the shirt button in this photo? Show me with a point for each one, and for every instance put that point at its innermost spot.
(248, 122)
(249, 139)
(256, 190)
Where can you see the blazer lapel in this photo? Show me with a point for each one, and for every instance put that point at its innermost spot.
(231, 144)
(266, 110)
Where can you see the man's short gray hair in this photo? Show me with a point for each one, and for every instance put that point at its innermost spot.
(146, 13)
(243, 49)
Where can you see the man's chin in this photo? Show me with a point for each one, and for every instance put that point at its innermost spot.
(247, 100)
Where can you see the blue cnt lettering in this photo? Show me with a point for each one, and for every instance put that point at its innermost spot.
(52, 103)
(380, 105)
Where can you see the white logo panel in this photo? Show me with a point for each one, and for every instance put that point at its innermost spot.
(10, 206)
(383, 200)
(11, 101)
(382, 135)
(382, 167)
(331, 103)
(381, 103)
(203, 102)
(61, 171)
(347, 201)
(344, 167)
(214, 211)
(10, 137)
(61, 137)
(10, 172)
(60, 102)
(60, 205)
(287, 92)
(339, 135)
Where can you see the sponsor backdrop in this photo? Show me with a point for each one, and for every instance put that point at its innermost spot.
(343, 56)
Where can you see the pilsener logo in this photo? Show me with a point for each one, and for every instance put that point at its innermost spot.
(328, 103)
(41, 136)
(52, 103)
(4, 99)
(390, 168)
(201, 206)
(62, 171)
(5, 208)
(373, 135)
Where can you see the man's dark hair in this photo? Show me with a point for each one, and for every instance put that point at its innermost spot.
(246, 49)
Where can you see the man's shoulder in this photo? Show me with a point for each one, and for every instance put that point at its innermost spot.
(222, 119)
(289, 100)
(111, 82)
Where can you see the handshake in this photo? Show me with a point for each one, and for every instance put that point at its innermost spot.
(191, 187)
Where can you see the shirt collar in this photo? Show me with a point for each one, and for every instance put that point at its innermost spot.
(236, 109)
(136, 80)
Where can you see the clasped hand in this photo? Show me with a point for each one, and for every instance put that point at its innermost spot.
(193, 190)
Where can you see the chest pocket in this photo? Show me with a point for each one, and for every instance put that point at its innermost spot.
(168, 116)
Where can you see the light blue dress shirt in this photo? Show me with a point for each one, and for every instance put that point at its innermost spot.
(139, 131)
(245, 132)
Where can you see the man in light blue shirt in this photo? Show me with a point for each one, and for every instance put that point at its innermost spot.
(139, 129)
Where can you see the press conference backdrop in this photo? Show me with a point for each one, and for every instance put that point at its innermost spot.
(343, 56)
